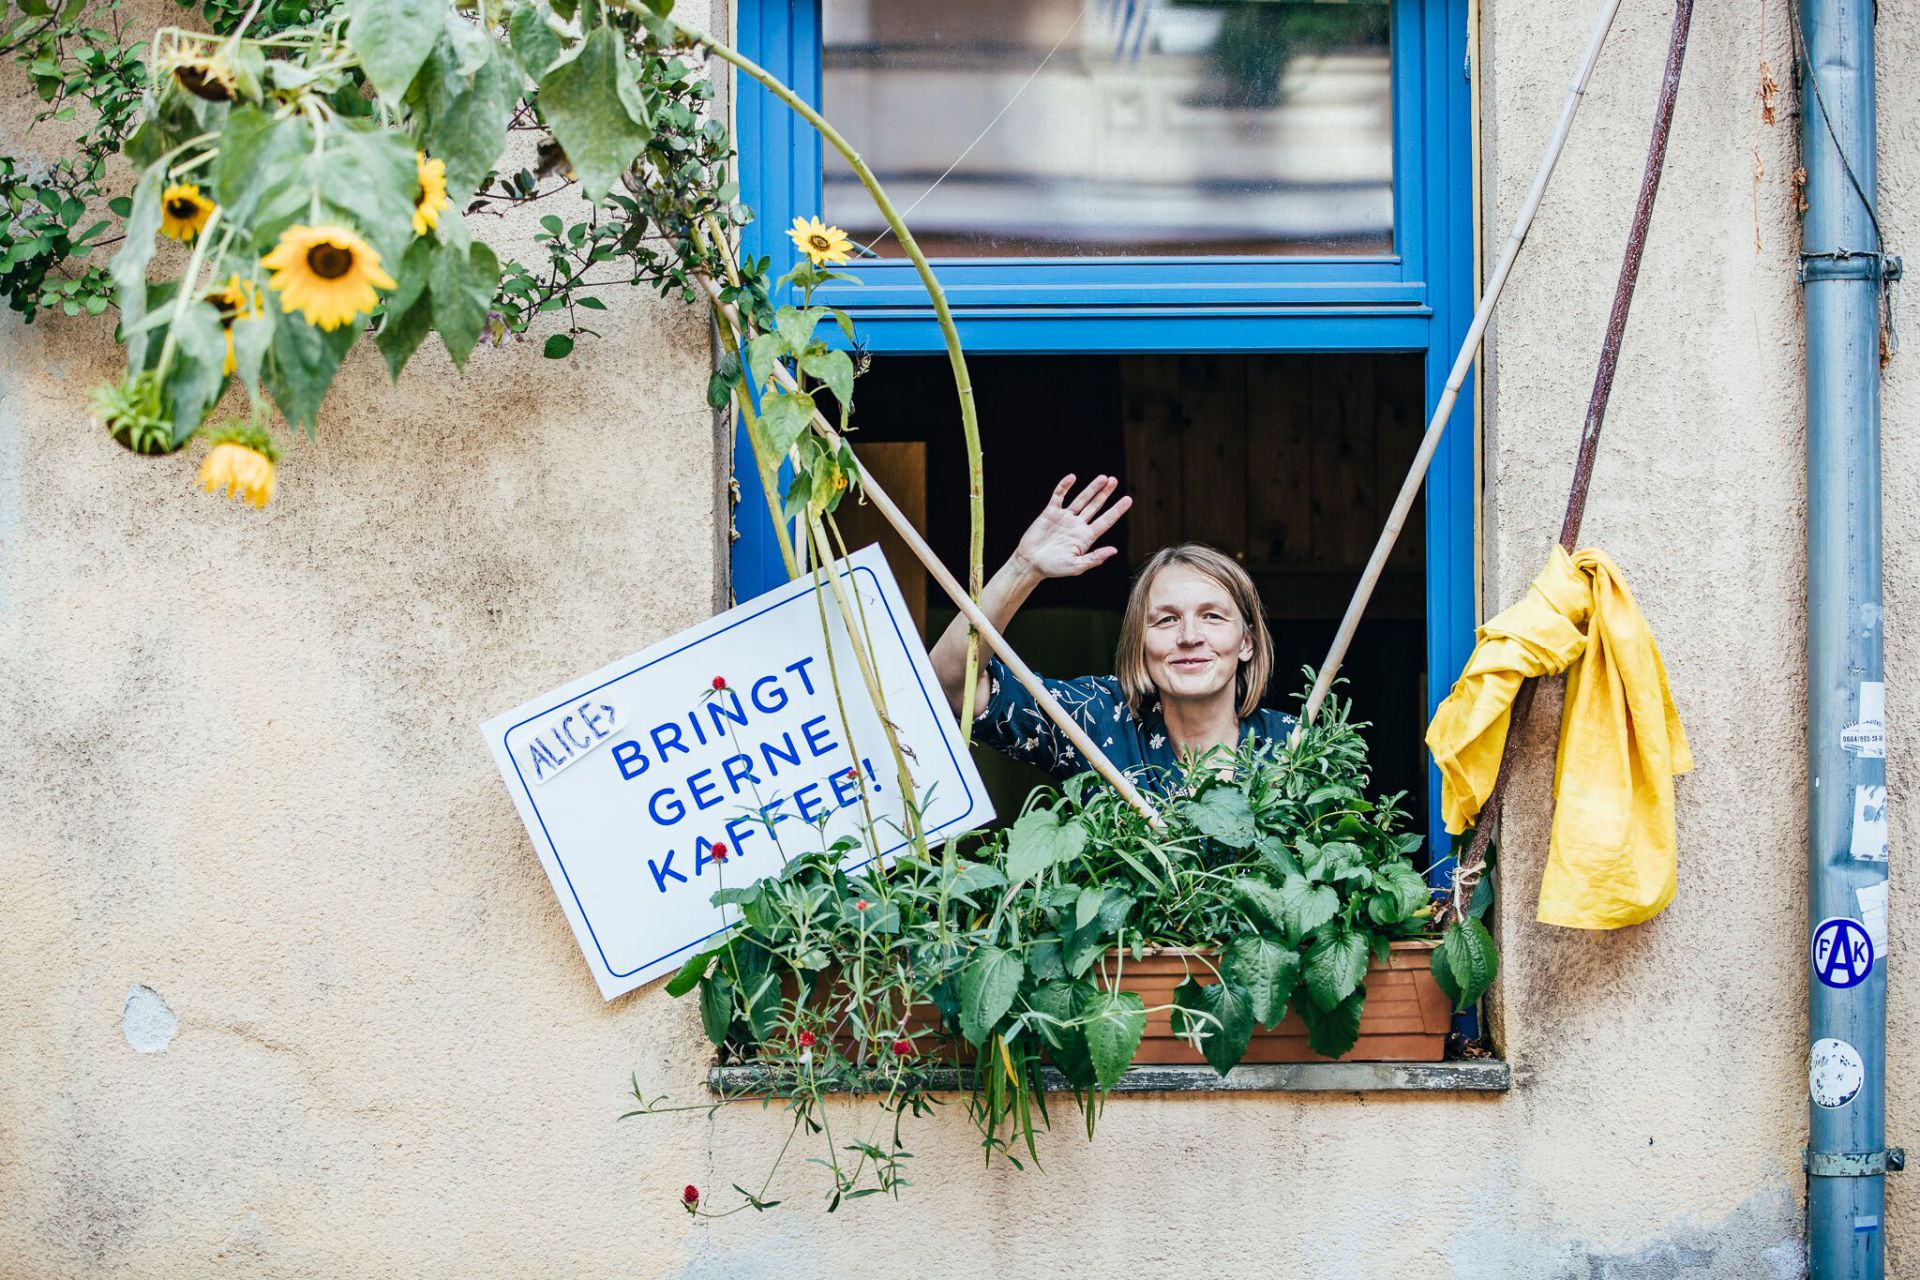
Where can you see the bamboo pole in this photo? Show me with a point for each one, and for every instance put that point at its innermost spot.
(1469, 349)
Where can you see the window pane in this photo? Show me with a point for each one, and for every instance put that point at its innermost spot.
(1114, 127)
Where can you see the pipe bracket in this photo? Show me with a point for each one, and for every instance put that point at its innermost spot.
(1853, 1164)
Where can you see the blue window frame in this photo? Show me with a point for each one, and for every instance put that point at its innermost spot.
(1418, 299)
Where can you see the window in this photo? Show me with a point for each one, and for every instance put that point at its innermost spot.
(1253, 202)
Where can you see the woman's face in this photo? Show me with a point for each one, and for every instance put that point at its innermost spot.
(1196, 640)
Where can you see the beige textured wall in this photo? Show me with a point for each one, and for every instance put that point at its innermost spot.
(243, 772)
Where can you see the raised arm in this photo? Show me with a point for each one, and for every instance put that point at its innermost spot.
(1058, 544)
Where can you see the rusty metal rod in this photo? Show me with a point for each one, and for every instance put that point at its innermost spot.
(1456, 379)
(1467, 874)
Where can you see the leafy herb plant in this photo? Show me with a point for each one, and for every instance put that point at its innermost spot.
(1272, 867)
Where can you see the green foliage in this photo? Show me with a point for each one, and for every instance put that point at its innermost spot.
(1016, 949)
(312, 114)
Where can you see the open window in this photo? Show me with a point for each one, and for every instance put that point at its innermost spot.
(1221, 248)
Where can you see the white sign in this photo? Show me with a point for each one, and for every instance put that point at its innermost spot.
(727, 736)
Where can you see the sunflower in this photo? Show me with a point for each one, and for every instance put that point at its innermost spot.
(201, 64)
(241, 463)
(184, 211)
(235, 300)
(328, 274)
(433, 194)
(821, 243)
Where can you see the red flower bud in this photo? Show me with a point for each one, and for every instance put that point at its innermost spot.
(719, 851)
(861, 905)
(903, 1047)
(806, 1039)
(719, 682)
(691, 1196)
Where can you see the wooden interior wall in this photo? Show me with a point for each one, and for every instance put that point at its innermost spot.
(1288, 463)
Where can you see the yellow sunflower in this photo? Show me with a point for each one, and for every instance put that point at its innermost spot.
(235, 300)
(184, 211)
(821, 243)
(433, 194)
(328, 274)
(241, 463)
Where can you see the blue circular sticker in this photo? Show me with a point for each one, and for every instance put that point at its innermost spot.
(1842, 952)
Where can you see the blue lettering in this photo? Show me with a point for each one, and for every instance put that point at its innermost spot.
(586, 713)
(662, 870)
(759, 704)
(702, 855)
(717, 712)
(802, 803)
(624, 754)
(739, 829)
(543, 759)
(566, 728)
(668, 735)
(818, 742)
(768, 751)
(703, 782)
(845, 788)
(738, 769)
(653, 807)
(693, 718)
(800, 669)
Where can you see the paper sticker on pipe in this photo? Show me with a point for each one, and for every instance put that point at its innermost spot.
(1873, 914)
(1834, 1073)
(1869, 824)
(1867, 736)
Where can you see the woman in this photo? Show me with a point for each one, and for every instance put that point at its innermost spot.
(1193, 659)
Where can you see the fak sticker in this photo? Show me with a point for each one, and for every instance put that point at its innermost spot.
(1842, 952)
(1834, 1073)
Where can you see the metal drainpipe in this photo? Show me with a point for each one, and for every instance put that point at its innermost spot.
(1842, 269)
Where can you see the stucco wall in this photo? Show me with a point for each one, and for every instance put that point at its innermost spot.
(243, 773)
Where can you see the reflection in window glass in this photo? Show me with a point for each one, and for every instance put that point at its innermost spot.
(1114, 127)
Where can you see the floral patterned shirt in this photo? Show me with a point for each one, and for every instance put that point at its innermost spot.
(1014, 725)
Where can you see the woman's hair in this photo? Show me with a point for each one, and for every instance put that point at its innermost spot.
(1130, 661)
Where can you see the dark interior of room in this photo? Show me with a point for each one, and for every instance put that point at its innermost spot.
(1288, 463)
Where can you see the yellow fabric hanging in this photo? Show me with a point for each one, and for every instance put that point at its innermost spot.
(1614, 850)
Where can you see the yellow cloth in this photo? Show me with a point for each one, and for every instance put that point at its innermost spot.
(1614, 849)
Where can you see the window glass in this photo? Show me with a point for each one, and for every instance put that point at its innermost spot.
(1122, 128)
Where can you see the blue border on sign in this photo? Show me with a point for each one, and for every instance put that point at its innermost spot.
(1841, 927)
(972, 800)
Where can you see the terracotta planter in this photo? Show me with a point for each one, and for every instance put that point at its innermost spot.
(1406, 1017)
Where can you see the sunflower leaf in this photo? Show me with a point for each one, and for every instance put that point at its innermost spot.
(464, 118)
(301, 362)
(370, 176)
(193, 379)
(130, 264)
(783, 416)
(392, 38)
(595, 112)
(402, 332)
(462, 288)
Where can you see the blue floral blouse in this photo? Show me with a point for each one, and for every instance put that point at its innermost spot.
(1014, 725)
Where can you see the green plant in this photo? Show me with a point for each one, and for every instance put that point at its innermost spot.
(1014, 949)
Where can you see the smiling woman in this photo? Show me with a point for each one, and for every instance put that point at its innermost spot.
(1192, 662)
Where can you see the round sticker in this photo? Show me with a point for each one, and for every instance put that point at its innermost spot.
(1834, 1073)
(1842, 952)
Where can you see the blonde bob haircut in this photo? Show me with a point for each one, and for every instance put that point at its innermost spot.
(1130, 660)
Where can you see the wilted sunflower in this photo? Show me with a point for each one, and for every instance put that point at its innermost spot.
(235, 300)
(184, 211)
(328, 274)
(822, 244)
(241, 463)
(433, 193)
(198, 63)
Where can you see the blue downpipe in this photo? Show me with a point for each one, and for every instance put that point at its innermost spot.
(1842, 268)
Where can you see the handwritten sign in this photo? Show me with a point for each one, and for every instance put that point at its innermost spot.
(721, 753)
